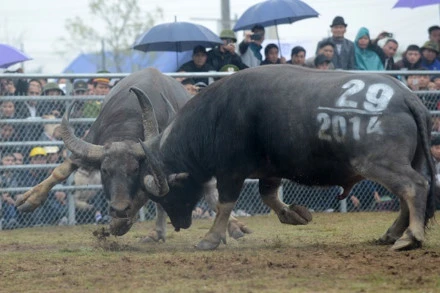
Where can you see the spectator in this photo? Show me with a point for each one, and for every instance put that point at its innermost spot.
(435, 151)
(8, 132)
(387, 52)
(7, 110)
(31, 108)
(51, 131)
(434, 36)
(225, 53)
(322, 62)
(420, 82)
(326, 48)
(436, 81)
(365, 57)
(250, 47)
(101, 85)
(411, 59)
(8, 87)
(90, 87)
(298, 56)
(83, 108)
(198, 64)
(271, 55)
(430, 51)
(53, 107)
(31, 177)
(344, 53)
(8, 180)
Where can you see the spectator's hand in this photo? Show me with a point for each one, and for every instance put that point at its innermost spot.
(283, 60)
(61, 197)
(230, 48)
(247, 37)
(7, 198)
(355, 201)
(56, 113)
(376, 197)
(382, 35)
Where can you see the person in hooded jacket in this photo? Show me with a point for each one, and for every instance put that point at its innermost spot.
(365, 57)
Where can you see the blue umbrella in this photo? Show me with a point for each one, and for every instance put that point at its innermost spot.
(177, 37)
(10, 56)
(274, 12)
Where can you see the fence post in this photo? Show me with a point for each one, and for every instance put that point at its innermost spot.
(142, 214)
(71, 220)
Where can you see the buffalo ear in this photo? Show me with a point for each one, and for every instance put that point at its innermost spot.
(177, 179)
(153, 188)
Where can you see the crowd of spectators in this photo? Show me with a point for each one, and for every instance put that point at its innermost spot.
(333, 53)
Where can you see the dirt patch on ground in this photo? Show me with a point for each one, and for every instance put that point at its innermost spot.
(335, 253)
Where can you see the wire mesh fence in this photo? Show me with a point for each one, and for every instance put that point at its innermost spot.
(31, 147)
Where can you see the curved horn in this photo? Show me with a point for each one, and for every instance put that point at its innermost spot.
(149, 120)
(155, 182)
(170, 107)
(76, 145)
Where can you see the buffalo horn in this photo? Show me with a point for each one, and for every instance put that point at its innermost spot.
(149, 120)
(155, 182)
(170, 107)
(77, 146)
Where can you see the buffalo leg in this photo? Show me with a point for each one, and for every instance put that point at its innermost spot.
(236, 229)
(407, 230)
(159, 231)
(34, 197)
(229, 191)
(293, 214)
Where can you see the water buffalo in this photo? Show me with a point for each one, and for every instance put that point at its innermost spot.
(112, 146)
(312, 127)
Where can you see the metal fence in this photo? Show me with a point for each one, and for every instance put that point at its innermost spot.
(31, 147)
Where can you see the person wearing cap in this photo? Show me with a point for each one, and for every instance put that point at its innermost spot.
(326, 48)
(365, 57)
(198, 64)
(271, 52)
(343, 57)
(321, 62)
(101, 85)
(225, 53)
(411, 59)
(430, 51)
(79, 88)
(53, 106)
(298, 56)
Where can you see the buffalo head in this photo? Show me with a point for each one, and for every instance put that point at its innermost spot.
(119, 163)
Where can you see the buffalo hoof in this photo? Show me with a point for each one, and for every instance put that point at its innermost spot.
(237, 229)
(29, 201)
(154, 236)
(119, 227)
(295, 215)
(406, 242)
(211, 242)
(387, 239)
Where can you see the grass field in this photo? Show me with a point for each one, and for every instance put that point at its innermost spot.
(334, 253)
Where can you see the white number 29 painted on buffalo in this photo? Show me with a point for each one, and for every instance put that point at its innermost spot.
(336, 126)
(377, 97)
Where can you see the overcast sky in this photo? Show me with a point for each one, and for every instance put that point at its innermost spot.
(37, 24)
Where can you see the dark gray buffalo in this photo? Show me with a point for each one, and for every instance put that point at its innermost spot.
(112, 146)
(313, 127)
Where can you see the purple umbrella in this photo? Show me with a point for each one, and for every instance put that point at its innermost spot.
(415, 3)
(10, 56)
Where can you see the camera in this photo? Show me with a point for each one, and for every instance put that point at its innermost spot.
(256, 37)
(389, 35)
